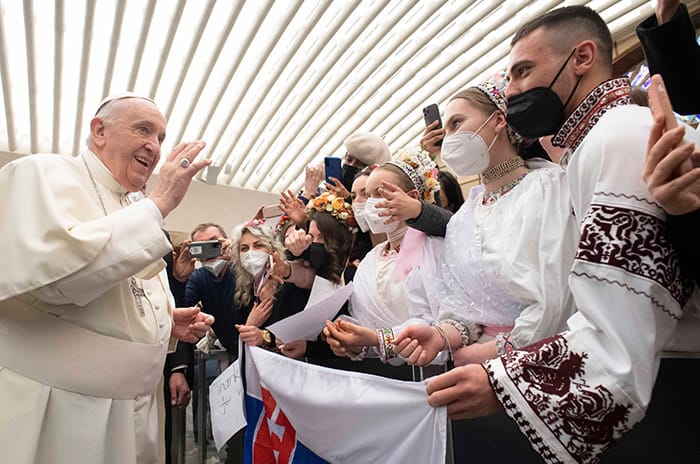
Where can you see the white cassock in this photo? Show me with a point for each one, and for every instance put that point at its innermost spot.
(576, 394)
(506, 261)
(85, 315)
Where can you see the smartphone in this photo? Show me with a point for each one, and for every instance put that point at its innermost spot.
(271, 212)
(431, 113)
(205, 250)
(331, 164)
(262, 277)
(659, 103)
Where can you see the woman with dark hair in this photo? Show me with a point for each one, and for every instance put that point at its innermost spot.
(330, 249)
(451, 197)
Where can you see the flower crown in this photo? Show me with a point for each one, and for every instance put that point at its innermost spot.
(494, 88)
(255, 223)
(283, 222)
(333, 205)
(420, 168)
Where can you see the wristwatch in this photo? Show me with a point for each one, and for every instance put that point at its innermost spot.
(268, 338)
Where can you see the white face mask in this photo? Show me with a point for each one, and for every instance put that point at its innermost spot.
(358, 210)
(253, 261)
(466, 152)
(216, 266)
(375, 222)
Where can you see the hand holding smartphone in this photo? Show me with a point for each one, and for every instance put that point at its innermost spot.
(331, 165)
(431, 113)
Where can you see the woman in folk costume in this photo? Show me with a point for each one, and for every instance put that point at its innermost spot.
(508, 249)
(392, 281)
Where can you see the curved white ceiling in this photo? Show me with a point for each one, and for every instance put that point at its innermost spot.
(270, 85)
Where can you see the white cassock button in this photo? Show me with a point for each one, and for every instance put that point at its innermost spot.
(157, 306)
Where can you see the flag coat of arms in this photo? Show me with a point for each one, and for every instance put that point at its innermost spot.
(303, 413)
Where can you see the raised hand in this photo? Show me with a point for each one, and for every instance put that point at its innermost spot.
(431, 136)
(176, 175)
(399, 205)
(293, 207)
(260, 312)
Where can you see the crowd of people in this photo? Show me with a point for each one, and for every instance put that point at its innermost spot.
(543, 308)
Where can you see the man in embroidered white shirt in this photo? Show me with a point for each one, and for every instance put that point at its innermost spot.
(85, 310)
(576, 394)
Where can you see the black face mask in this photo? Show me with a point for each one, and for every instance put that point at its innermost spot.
(538, 111)
(349, 173)
(319, 258)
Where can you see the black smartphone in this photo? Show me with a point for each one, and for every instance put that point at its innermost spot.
(331, 164)
(431, 113)
(205, 250)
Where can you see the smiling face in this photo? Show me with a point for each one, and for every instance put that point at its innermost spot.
(128, 139)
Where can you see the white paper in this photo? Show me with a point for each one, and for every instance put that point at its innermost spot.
(325, 301)
(226, 405)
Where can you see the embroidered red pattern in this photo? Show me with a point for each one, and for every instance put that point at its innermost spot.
(609, 94)
(636, 243)
(585, 419)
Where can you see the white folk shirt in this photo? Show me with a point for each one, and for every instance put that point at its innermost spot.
(86, 295)
(576, 394)
(506, 263)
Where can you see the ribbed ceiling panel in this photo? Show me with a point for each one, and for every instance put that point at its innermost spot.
(270, 85)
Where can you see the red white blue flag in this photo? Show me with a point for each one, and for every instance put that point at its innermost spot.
(302, 413)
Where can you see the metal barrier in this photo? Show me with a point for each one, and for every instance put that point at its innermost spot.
(203, 391)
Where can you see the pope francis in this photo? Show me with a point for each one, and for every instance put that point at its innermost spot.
(86, 316)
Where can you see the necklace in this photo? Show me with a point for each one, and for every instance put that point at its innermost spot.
(502, 169)
(490, 198)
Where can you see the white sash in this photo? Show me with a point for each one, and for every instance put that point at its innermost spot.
(54, 352)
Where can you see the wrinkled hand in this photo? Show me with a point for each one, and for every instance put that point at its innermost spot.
(190, 324)
(418, 344)
(669, 170)
(183, 262)
(343, 337)
(179, 390)
(173, 179)
(431, 137)
(465, 391)
(294, 350)
(297, 242)
(293, 207)
(260, 312)
(251, 335)
(337, 188)
(399, 205)
(665, 9)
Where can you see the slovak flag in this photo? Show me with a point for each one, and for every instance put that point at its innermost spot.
(303, 413)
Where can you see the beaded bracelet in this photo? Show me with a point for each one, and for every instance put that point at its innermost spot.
(385, 337)
(463, 330)
(445, 340)
(504, 344)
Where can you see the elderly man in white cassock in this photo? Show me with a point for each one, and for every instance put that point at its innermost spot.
(86, 316)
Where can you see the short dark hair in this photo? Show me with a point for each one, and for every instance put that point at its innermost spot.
(204, 226)
(575, 22)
